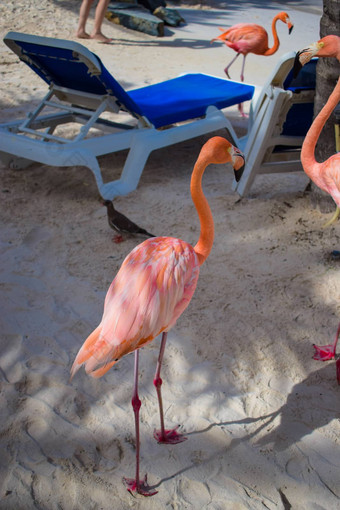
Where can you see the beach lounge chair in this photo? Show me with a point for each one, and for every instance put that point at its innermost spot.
(281, 113)
(81, 90)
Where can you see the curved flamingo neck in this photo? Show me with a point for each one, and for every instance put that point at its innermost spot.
(206, 239)
(276, 44)
(309, 163)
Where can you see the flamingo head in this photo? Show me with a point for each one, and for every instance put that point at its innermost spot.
(284, 17)
(237, 160)
(218, 150)
(302, 57)
(238, 163)
(328, 46)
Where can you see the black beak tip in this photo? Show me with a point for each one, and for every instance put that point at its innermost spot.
(297, 65)
(238, 173)
(290, 30)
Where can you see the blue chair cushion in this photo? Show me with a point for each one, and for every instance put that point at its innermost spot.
(300, 116)
(187, 97)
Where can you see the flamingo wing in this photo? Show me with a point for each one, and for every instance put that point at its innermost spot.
(152, 288)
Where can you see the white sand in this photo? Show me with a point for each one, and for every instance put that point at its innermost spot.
(262, 417)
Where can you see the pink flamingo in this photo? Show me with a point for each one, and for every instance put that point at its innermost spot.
(150, 291)
(247, 38)
(325, 175)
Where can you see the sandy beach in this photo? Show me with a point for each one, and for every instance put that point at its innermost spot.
(261, 416)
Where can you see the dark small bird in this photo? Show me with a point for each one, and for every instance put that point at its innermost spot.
(121, 223)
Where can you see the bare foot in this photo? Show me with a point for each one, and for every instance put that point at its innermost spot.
(101, 38)
(83, 35)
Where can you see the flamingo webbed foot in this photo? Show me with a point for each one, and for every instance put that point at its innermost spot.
(324, 352)
(140, 488)
(170, 436)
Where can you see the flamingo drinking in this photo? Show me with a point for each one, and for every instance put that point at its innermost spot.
(150, 291)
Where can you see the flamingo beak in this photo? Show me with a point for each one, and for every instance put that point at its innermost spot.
(297, 64)
(290, 24)
(305, 55)
(237, 162)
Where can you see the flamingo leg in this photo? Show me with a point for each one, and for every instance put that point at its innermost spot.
(226, 70)
(170, 436)
(326, 352)
(242, 70)
(333, 218)
(135, 484)
(240, 106)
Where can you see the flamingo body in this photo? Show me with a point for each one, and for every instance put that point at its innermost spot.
(328, 176)
(246, 38)
(151, 290)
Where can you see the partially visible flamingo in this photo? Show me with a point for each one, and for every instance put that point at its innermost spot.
(151, 290)
(328, 46)
(247, 38)
(325, 175)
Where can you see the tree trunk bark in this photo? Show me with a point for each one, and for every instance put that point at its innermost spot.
(327, 74)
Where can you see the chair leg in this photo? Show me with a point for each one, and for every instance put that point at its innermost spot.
(131, 174)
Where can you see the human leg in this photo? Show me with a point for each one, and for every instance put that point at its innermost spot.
(83, 16)
(98, 20)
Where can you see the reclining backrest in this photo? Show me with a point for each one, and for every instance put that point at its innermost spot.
(69, 65)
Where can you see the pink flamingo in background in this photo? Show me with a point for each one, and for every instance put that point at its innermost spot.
(325, 175)
(247, 38)
(150, 291)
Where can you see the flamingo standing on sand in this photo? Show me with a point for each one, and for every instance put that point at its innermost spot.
(247, 38)
(150, 291)
(325, 175)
